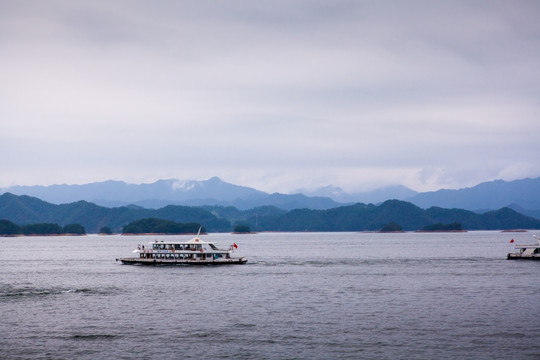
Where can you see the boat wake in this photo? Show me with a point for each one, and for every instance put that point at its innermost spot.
(26, 292)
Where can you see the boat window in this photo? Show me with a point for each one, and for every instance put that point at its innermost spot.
(155, 246)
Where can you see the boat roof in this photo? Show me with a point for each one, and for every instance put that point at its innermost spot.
(195, 240)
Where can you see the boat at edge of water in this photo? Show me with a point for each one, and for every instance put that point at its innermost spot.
(192, 252)
(526, 251)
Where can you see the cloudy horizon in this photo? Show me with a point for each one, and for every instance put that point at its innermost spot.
(278, 96)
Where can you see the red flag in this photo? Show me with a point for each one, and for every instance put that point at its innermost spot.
(235, 246)
(512, 240)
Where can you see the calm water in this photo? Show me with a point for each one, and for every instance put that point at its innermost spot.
(301, 296)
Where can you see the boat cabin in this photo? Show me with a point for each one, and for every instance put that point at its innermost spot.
(190, 250)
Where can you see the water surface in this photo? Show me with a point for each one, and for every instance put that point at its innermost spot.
(301, 296)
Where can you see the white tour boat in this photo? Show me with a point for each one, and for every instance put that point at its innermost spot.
(529, 252)
(194, 251)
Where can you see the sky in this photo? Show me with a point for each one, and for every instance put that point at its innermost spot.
(276, 95)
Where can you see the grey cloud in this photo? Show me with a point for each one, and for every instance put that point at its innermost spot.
(348, 92)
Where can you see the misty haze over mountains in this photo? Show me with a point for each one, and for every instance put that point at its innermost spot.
(522, 195)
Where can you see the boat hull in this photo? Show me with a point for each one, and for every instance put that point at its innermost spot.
(138, 261)
(512, 256)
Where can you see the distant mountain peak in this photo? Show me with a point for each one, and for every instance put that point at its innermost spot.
(214, 179)
(485, 196)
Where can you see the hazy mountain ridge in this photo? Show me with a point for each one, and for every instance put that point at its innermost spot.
(161, 193)
(398, 192)
(522, 195)
(119, 191)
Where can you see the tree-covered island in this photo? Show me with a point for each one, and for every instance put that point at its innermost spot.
(242, 229)
(9, 228)
(453, 227)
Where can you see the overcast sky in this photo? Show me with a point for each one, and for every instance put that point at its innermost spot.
(276, 95)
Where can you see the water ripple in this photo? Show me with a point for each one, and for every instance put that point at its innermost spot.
(91, 337)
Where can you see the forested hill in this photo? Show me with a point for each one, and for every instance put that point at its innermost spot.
(27, 210)
(359, 217)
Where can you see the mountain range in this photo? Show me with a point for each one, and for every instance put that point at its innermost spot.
(23, 210)
(520, 195)
(161, 193)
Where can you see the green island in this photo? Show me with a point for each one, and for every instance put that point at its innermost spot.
(242, 229)
(105, 230)
(453, 227)
(391, 227)
(9, 228)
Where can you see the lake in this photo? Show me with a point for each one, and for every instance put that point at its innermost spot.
(301, 296)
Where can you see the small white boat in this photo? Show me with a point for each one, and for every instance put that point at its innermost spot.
(192, 252)
(529, 251)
